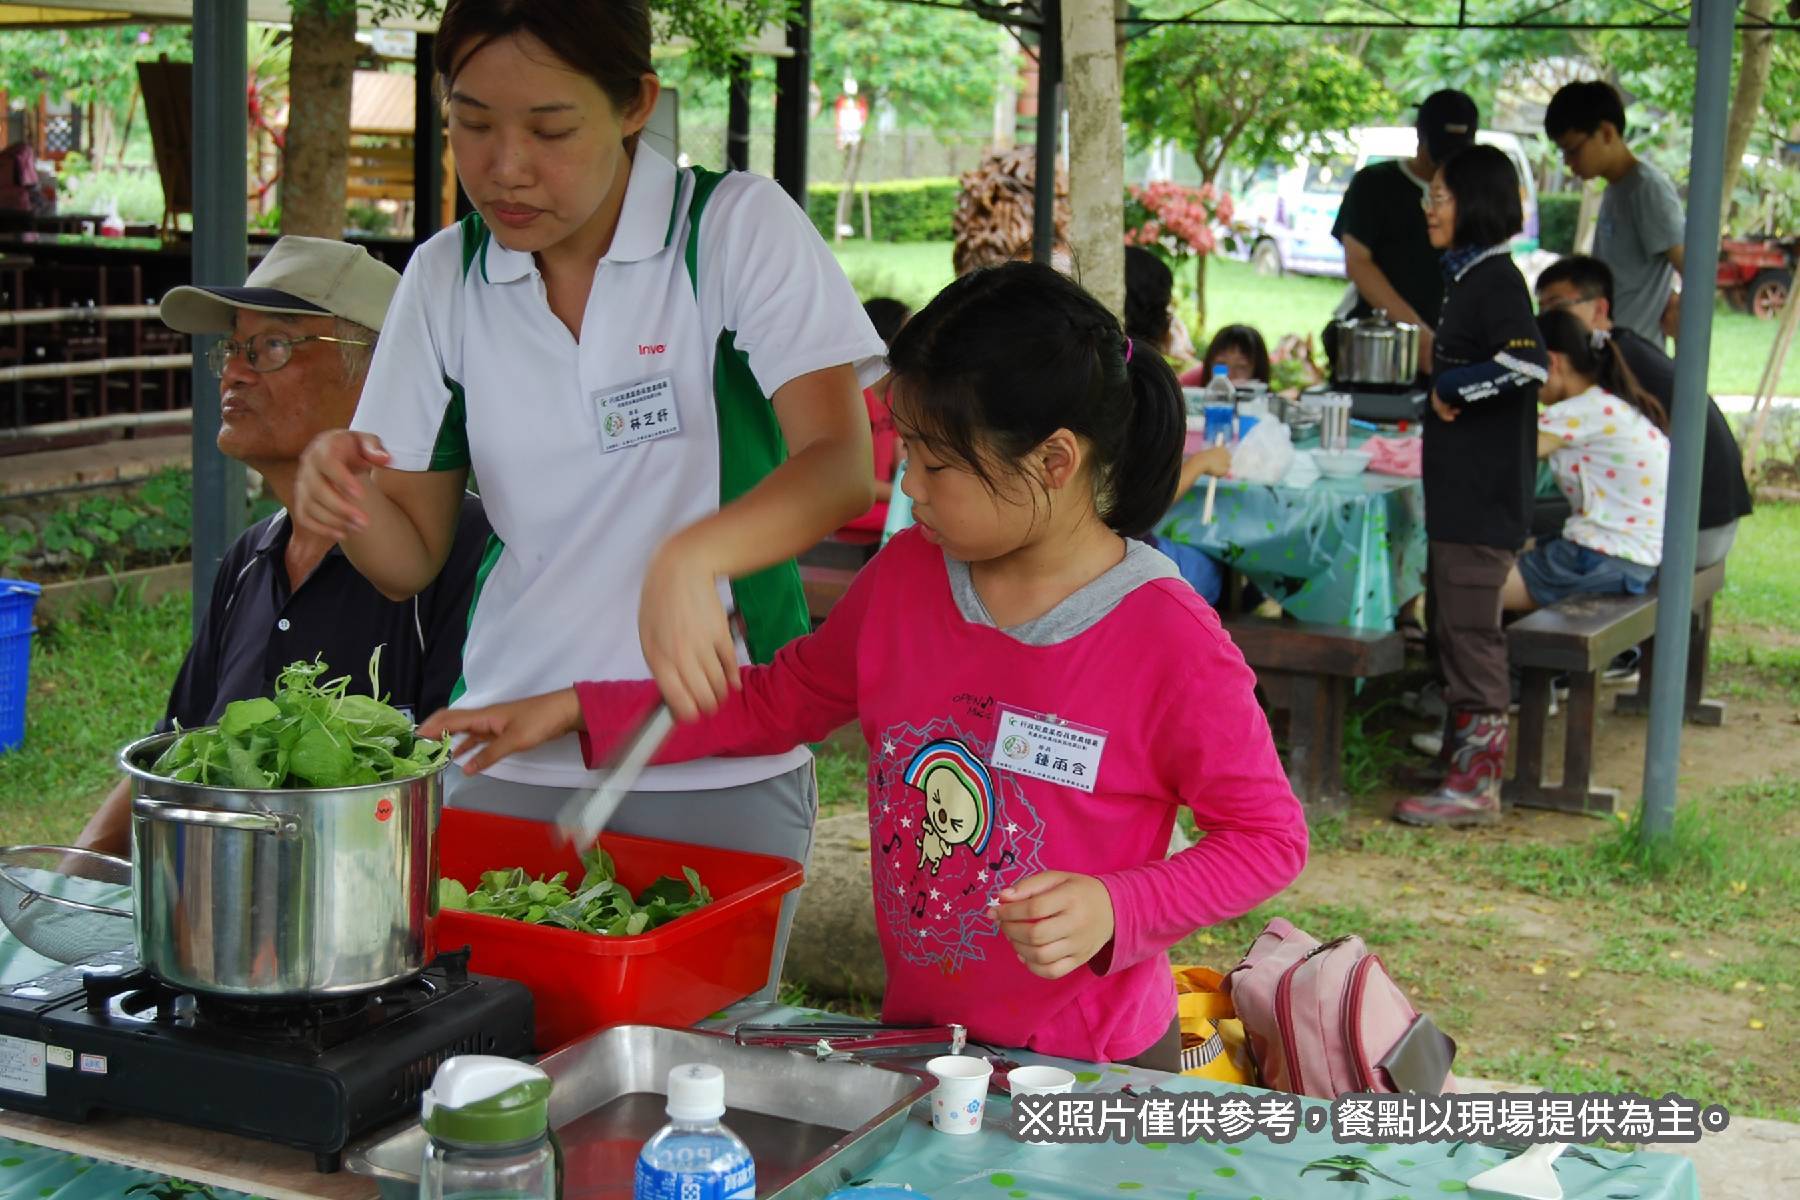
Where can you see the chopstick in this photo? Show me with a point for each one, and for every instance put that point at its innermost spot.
(1212, 487)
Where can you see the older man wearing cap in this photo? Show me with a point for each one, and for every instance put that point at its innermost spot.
(299, 335)
(1381, 222)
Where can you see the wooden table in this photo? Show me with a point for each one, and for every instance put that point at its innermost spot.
(220, 1159)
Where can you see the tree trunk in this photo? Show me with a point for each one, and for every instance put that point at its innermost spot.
(1746, 102)
(1198, 332)
(1006, 94)
(852, 167)
(321, 66)
(1587, 217)
(1096, 150)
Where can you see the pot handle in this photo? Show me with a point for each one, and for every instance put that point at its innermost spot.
(216, 818)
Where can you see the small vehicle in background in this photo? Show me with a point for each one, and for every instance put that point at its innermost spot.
(1756, 274)
(1285, 213)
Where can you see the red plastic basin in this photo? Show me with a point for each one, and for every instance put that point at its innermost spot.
(674, 975)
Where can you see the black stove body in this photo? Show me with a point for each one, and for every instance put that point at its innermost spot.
(105, 1036)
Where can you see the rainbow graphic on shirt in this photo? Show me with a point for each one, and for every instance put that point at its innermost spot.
(962, 814)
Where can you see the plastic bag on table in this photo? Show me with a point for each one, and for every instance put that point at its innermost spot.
(1264, 455)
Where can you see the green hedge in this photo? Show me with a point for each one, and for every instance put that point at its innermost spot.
(1557, 215)
(901, 210)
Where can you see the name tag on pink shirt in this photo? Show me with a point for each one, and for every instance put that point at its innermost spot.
(1047, 748)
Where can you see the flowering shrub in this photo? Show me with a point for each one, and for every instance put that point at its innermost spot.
(1179, 221)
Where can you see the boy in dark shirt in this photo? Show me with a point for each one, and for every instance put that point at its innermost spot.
(1387, 254)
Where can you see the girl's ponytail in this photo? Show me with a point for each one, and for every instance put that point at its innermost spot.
(1141, 483)
(1616, 377)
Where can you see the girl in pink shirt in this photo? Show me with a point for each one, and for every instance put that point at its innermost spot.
(1040, 692)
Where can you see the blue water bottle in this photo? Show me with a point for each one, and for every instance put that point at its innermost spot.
(694, 1157)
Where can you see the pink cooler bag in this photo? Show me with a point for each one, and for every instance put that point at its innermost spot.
(1327, 1019)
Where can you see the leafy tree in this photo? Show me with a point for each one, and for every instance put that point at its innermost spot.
(86, 66)
(323, 63)
(1245, 95)
(931, 66)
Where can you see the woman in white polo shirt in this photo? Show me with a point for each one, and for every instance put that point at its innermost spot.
(655, 376)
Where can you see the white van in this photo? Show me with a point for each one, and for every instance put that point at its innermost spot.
(1289, 210)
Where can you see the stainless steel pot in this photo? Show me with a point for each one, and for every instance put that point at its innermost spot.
(283, 893)
(1376, 352)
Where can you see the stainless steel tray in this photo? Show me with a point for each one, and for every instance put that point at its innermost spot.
(811, 1126)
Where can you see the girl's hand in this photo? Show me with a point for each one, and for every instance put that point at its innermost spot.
(1444, 411)
(503, 729)
(1215, 460)
(685, 633)
(1056, 921)
(335, 468)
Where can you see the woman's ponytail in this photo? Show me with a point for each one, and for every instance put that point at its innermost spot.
(1143, 477)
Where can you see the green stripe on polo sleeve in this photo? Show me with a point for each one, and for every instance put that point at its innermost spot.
(451, 451)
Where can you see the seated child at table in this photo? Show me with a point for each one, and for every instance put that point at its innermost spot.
(1040, 693)
(1240, 349)
(887, 315)
(1204, 573)
(1607, 441)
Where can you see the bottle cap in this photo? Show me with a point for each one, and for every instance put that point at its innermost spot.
(486, 1100)
(1220, 369)
(696, 1092)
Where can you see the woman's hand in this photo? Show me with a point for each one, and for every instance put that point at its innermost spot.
(1055, 920)
(335, 471)
(685, 634)
(1444, 411)
(503, 729)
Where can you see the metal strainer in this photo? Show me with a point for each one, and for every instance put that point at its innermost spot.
(39, 886)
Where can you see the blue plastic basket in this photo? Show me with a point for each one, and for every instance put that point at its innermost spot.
(17, 599)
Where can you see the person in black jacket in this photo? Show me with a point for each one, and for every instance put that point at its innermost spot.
(1480, 461)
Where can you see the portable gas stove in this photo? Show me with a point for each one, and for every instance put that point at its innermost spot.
(105, 1036)
(1379, 405)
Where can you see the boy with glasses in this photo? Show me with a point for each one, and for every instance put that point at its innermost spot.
(1641, 226)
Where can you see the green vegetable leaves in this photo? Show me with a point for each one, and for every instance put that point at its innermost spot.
(310, 734)
(600, 905)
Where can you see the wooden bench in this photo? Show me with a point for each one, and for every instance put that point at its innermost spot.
(827, 568)
(824, 587)
(1305, 670)
(1580, 636)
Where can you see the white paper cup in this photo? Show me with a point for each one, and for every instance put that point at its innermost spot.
(1039, 1081)
(961, 1094)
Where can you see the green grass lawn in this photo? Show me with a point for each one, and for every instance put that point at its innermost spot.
(97, 683)
(1236, 294)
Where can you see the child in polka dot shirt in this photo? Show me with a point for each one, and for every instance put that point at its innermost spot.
(1607, 442)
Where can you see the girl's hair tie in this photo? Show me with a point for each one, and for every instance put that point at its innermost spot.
(1597, 338)
(1128, 348)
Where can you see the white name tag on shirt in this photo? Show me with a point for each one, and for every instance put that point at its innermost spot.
(1044, 747)
(640, 412)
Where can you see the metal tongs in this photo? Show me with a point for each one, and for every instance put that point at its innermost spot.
(835, 1038)
(587, 813)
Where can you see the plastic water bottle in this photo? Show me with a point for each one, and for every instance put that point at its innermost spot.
(488, 1138)
(694, 1157)
(1220, 391)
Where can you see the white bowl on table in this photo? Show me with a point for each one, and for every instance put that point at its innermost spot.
(1341, 464)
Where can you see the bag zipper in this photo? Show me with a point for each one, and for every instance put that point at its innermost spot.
(1284, 1023)
(1352, 1020)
